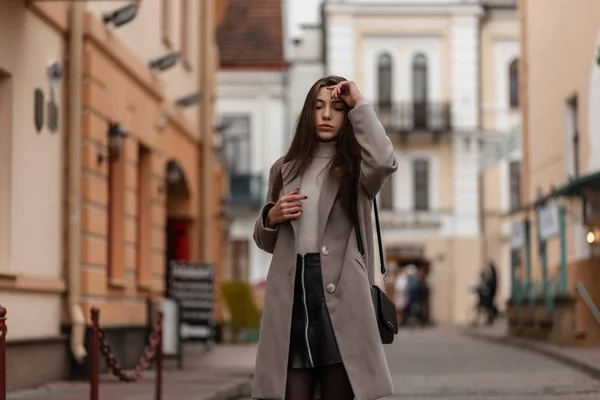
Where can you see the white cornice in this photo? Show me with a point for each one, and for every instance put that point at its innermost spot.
(396, 9)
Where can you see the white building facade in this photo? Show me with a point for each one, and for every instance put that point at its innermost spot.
(420, 65)
(252, 106)
(252, 115)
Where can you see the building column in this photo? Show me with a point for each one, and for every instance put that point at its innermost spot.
(340, 44)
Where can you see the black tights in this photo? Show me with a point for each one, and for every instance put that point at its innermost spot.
(335, 384)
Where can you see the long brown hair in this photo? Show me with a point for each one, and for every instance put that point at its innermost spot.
(345, 164)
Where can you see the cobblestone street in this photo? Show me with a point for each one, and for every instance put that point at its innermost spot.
(442, 363)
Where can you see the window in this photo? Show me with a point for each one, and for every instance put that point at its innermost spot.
(116, 219)
(513, 72)
(236, 142)
(239, 259)
(421, 184)
(384, 90)
(385, 80)
(515, 184)
(144, 217)
(419, 81)
(419, 69)
(572, 137)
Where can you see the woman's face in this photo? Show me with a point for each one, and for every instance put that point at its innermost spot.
(329, 115)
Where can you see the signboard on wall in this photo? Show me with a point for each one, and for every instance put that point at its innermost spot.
(548, 221)
(192, 286)
(517, 235)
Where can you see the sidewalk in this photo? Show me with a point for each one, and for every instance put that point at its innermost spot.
(220, 374)
(583, 358)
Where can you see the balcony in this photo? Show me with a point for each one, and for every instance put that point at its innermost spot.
(246, 189)
(407, 118)
(414, 222)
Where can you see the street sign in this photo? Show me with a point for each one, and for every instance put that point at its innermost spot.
(517, 235)
(499, 148)
(548, 222)
(192, 285)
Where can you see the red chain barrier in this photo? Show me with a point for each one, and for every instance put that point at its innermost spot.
(3, 331)
(100, 344)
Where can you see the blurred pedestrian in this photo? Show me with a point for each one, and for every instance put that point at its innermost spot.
(318, 322)
(492, 286)
(400, 293)
(414, 305)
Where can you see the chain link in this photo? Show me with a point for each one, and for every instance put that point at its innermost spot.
(385, 283)
(149, 353)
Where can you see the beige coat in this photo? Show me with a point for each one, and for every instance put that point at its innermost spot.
(346, 278)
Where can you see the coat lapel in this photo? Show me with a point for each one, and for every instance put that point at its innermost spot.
(286, 169)
(329, 192)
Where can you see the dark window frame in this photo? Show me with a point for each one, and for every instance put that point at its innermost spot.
(514, 182)
(513, 84)
(234, 140)
(421, 169)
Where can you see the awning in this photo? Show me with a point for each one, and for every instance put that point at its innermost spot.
(577, 186)
(574, 188)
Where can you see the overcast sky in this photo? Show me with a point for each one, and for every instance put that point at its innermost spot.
(303, 12)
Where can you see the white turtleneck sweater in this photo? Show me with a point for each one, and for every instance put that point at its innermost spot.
(311, 184)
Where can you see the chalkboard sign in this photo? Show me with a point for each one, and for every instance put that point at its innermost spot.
(192, 286)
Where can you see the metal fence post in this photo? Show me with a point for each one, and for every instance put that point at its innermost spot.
(159, 356)
(3, 331)
(94, 354)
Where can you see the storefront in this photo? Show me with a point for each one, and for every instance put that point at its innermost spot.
(557, 300)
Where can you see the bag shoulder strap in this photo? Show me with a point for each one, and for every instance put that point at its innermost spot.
(359, 240)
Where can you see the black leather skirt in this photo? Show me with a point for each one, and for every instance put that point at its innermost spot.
(312, 340)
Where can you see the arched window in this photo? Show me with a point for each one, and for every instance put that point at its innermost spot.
(513, 72)
(419, 77)
(384, 77)
(419, 69)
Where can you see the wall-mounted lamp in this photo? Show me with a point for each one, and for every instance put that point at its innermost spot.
(162, 122)
(165, 62)
(121, 16)
(116, 134)
(173, 172)
(55, 73)
(590, 237)
(188, 100)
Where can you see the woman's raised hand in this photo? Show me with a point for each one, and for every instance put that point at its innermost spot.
(348, 92)
(288, 207)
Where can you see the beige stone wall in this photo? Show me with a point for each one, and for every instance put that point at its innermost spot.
(560, 50)
(31, 278)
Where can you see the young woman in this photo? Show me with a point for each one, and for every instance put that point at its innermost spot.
(318, 321)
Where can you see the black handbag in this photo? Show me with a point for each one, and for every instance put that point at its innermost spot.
(385, 309)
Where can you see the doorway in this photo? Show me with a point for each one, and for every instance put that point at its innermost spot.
(178, 232)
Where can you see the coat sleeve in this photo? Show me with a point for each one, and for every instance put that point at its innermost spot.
(265, 237)
(378, 161)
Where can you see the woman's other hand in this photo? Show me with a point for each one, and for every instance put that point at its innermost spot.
(288, 207)
(348, 92)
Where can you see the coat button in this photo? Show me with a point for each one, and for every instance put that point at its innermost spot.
(325, 250)
(331, 288)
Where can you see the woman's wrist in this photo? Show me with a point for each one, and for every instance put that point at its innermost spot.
(270, 223)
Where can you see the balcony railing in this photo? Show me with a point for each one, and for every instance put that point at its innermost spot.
(246, 189)
(408, 117)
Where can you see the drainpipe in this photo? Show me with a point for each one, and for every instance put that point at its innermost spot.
(207, 67)
(78, 324)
